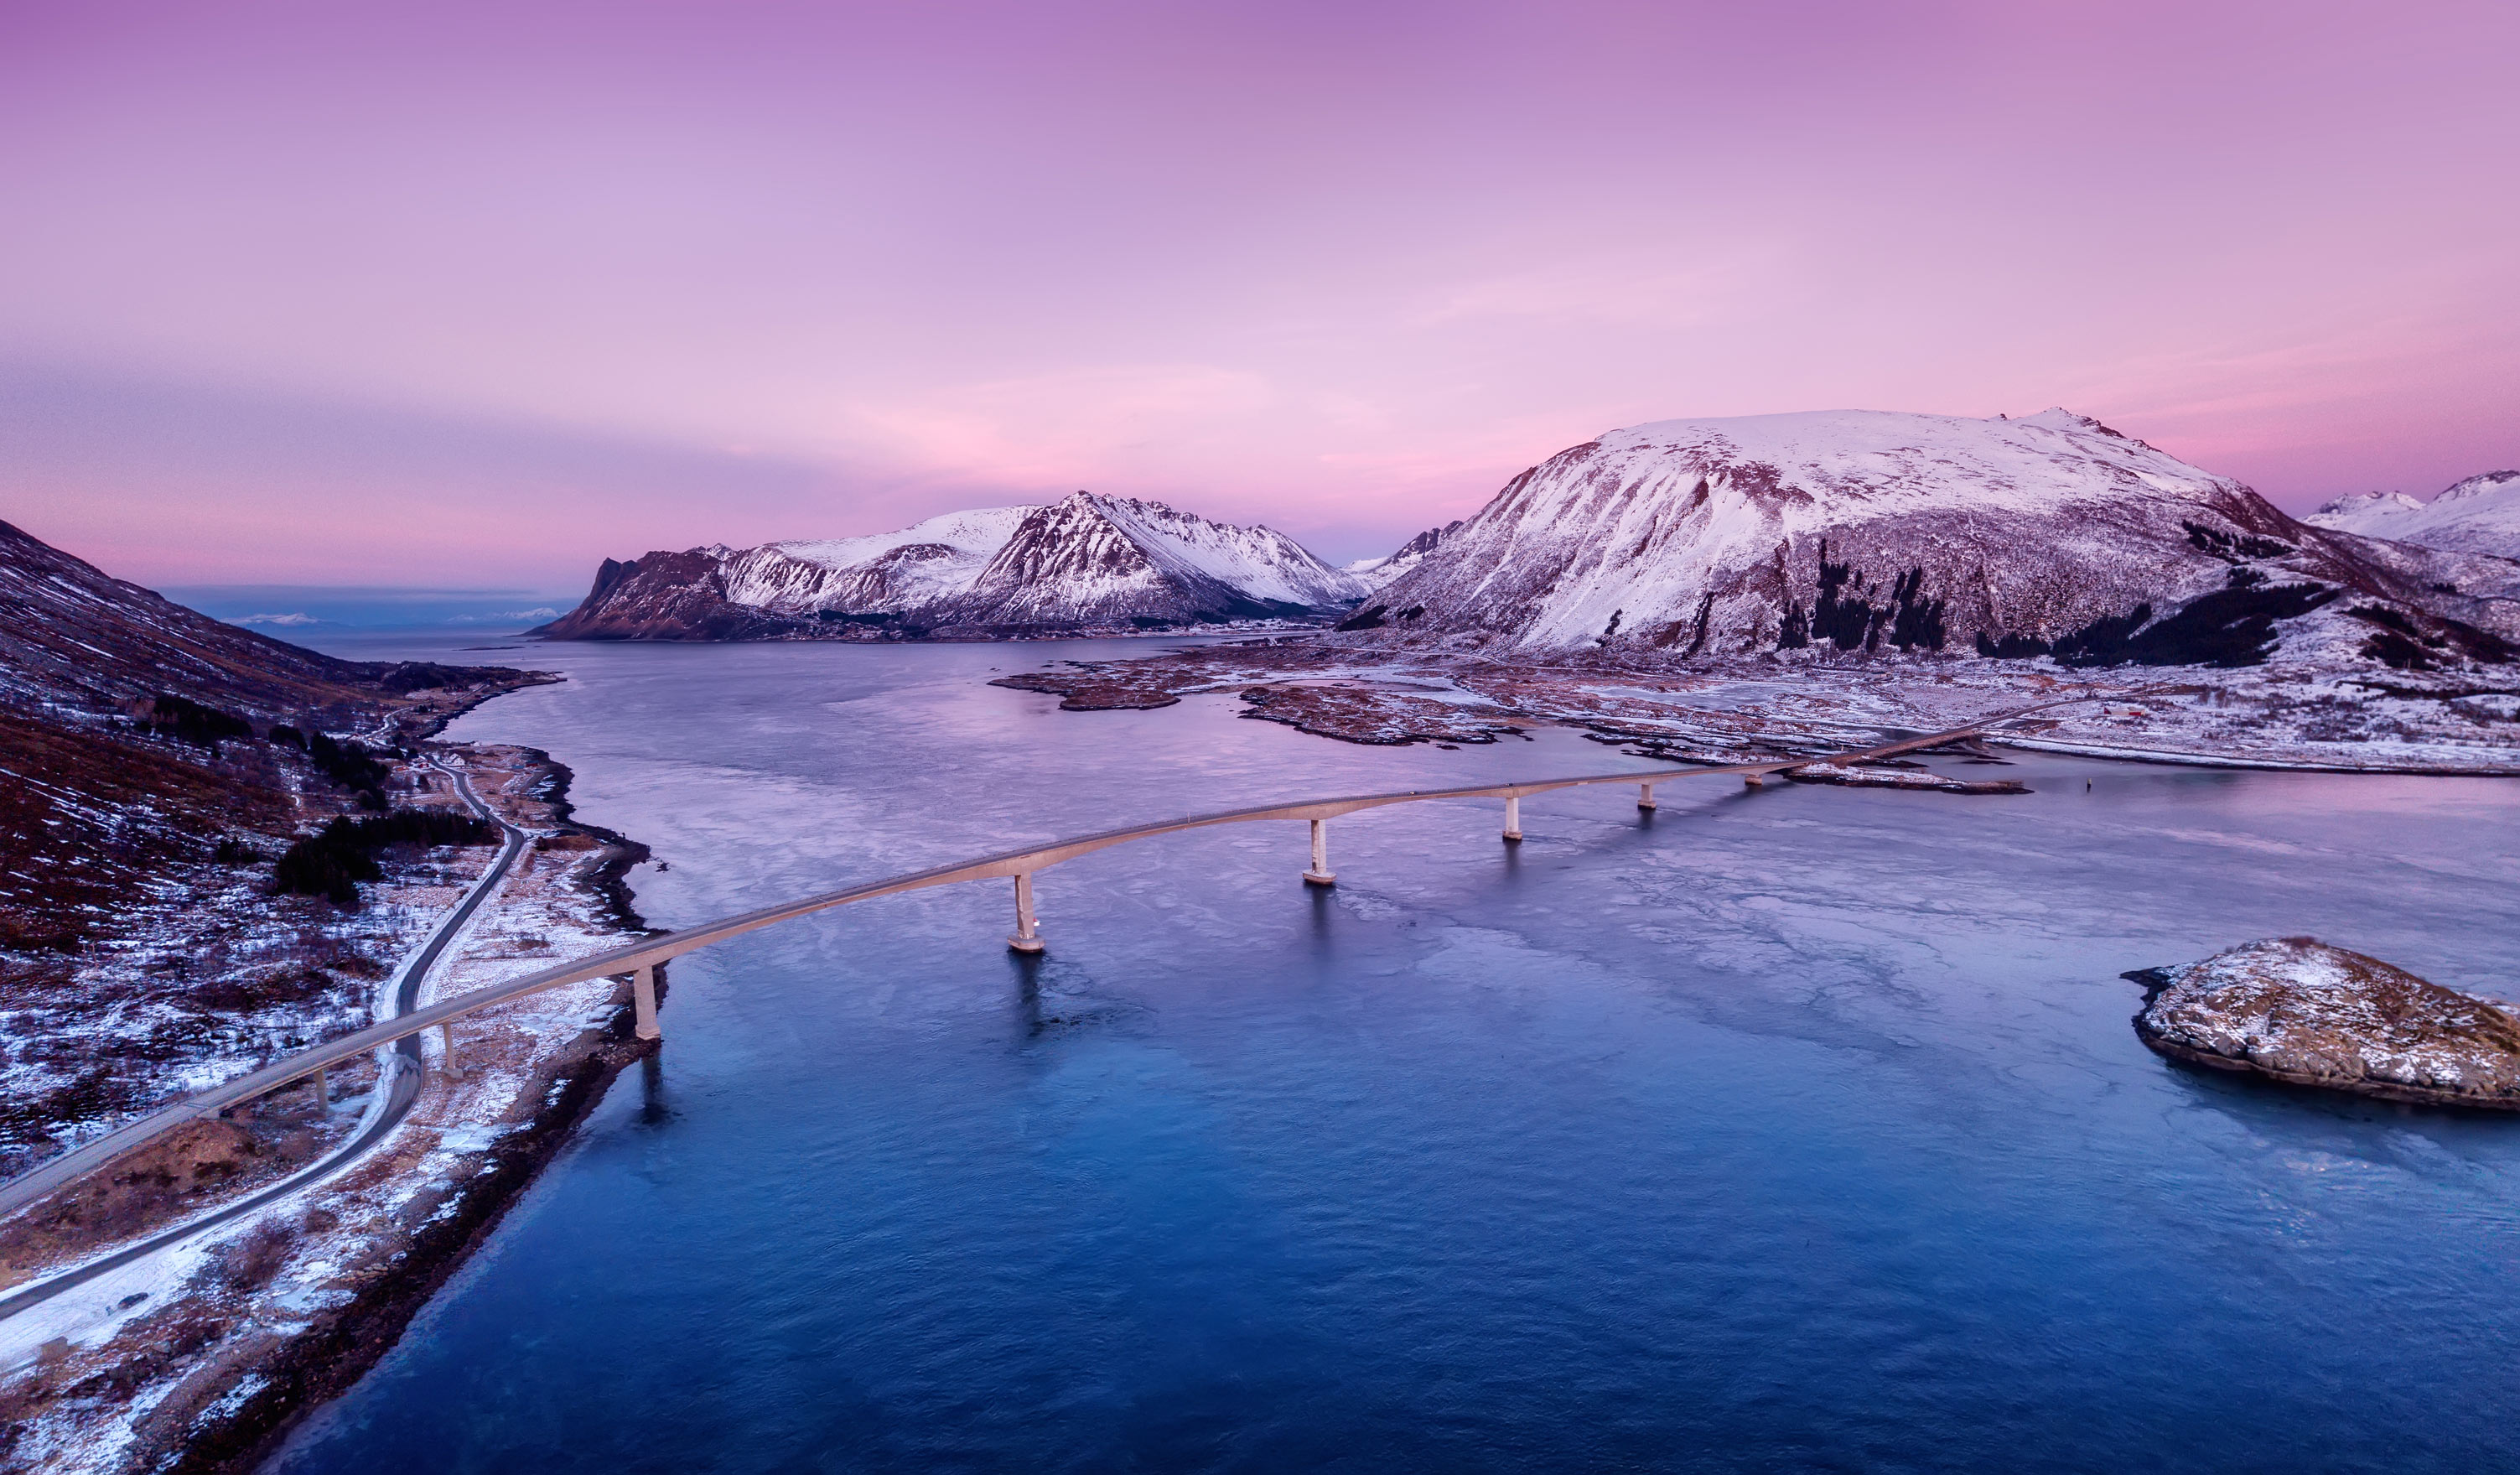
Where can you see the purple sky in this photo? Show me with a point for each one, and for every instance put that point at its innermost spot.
(450, 294)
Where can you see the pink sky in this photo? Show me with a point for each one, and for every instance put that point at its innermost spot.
(457, 294)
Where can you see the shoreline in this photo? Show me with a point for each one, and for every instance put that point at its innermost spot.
(303, 1373)
(199, 1380)
(310, 1370)
(2170, 758)
(2256, 718)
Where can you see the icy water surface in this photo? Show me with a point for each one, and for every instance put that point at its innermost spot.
(1793, 1130)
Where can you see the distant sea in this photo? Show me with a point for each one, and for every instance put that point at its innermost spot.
(308, 613)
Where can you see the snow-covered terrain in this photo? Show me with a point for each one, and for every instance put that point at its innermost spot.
(1734, 709)
(77, 643)
(912, 569)
(155, 767)
(2479, 514)
(209, 1342)
(135, 735)
(1090, 559)
(1085, 559)
(1380, 572)
(1861, 530)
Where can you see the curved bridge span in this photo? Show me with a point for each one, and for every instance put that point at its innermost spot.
(640, 959)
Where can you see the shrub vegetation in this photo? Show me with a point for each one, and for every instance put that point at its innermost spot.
(331, 861)
(190, 722)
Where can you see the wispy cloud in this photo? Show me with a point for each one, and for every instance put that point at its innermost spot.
(293, 618)
(1054, 428)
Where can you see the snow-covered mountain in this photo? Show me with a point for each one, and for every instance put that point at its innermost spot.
(915, 567)
(1378, 572)
(2480, 515)
(1086, 560)
(1868, 530)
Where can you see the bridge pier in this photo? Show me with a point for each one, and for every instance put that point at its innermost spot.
(1752, 780)
(1645, 796)
(1027, 938)
(642, 989)
(1320, 874)
(323, 1094)
(446, 1038)
(1513, 818)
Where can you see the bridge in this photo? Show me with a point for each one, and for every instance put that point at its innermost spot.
(640, 959)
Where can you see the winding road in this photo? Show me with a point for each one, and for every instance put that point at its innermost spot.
(398, 1081)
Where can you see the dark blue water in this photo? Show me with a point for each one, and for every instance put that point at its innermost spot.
(1793, 1130)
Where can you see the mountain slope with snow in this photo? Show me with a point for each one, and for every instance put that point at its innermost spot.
(912, 568)
(135, 732)
(1871, 530)
(77, 643)
(1379, 573)
(1085, 559)
(2479, 514)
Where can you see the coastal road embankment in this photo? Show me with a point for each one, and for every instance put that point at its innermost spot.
(399, 1082)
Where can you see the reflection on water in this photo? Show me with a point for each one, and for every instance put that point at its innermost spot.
(1774, 1130)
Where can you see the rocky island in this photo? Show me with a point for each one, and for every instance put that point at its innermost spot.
(2297, 1010)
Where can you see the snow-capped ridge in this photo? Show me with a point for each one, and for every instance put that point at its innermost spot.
(1084, 560)
(2479, 514)
(1258, 561)
(2357, 504)
(1377, 573)
(2485, 484)
(1872, 531)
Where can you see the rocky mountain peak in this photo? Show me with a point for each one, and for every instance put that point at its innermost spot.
(1377, 572)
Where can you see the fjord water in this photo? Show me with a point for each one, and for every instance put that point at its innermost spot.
(1776, 1130)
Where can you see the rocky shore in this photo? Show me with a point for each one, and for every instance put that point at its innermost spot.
(2300, 1011)
(284, 1381)
(213, 1350)
(1756, 709)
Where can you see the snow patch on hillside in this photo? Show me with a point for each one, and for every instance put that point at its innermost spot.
(1260, 561)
